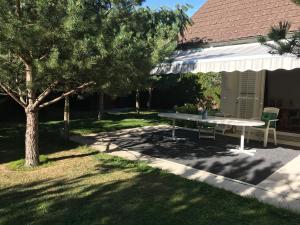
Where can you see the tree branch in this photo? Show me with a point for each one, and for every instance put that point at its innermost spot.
(44, 56)
(21, 96)
(18, 8)
(11, 94)
(66, 94)
(45, 94)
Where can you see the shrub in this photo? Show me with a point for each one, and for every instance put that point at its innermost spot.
(176, 89)
(191, 109)
(187, 108)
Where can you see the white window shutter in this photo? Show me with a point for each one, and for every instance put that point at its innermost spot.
(250, 94)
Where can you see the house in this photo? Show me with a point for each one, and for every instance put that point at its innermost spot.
(252, 77)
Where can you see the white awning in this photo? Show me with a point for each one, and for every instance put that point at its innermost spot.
(243, 57)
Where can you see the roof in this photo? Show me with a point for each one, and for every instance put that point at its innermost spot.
(228, 20)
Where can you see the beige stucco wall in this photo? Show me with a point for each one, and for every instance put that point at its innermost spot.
(229, 93)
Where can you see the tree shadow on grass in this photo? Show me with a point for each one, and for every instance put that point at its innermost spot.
(148, 197)
(54, 159)
(12, 146)
(113, 122)
(12, 134)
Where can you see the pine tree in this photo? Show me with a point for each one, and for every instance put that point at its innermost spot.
(284, 41)
(135, 46)
(64, 46)
(48, 46)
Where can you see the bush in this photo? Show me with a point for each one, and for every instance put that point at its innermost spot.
(176, 89)
(187, 108)
(191, 109)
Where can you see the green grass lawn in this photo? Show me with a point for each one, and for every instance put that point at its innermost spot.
(12, 134)
(116, 121)
(80, 186)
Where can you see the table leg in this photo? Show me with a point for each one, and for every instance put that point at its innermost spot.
(242, 146)
(241, 149)
(173, 137)
(173, 130)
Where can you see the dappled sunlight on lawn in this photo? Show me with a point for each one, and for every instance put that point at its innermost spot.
(100, 189)
(81, 186)
(12, 134)
(114, 122)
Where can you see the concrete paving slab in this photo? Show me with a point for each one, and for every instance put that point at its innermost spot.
(286, 180)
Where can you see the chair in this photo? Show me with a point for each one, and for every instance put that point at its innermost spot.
(270, 117)
(207, 130)
(223, 128)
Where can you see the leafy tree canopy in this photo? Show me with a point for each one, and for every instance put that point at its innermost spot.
(211, 85)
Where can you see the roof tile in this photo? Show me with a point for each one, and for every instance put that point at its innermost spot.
(226, 20)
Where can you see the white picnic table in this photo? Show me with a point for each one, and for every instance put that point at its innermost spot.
(243, 123)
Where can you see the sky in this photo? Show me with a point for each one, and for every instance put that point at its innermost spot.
(171, 3)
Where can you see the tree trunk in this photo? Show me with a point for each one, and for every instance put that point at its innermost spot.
(101, 106)
(137, 101)
(32, 123)
(149, 103)
(67, 118)
(32, 139)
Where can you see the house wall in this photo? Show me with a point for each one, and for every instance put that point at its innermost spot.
(229, 93)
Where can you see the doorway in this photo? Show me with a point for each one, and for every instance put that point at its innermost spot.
(282, 90)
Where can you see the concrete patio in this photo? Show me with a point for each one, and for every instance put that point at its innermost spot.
(272, 175)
